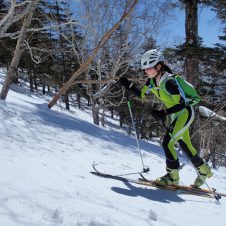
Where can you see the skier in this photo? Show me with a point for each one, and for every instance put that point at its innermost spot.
(165, 86)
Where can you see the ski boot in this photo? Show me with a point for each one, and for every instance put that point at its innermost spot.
(205, 172)
(171, 178)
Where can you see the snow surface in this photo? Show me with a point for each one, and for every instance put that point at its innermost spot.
(46, 158)
(209, 113)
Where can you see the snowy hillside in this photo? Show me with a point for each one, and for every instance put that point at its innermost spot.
(46, 158)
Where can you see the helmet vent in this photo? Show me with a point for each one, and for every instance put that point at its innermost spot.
(150, 62)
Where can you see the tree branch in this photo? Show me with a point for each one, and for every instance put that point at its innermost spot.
(86, 64)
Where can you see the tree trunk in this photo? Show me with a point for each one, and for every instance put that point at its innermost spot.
(44, 89)
(15, 79)
(103, 118)
(12, 16)
(66, 100)
(191, 29)
(79, 99)
(96, 119)
(112, 112)
(18, 51)
(121, 118)
(7, 20)
(31, 81)
(35, 83)
(191, 63)
(89, 102)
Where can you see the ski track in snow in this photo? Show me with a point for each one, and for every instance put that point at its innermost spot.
(45, 163)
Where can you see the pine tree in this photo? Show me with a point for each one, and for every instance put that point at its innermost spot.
(2, 5)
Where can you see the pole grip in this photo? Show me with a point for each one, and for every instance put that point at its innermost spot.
(129, 104)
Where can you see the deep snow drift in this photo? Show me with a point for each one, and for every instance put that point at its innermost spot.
(45, 161)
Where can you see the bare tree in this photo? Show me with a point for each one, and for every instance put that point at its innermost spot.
(15, 13)
(101, 43)
(114, 59)
(18, 51)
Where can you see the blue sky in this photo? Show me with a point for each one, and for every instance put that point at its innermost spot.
(173, 33)
(209, 28)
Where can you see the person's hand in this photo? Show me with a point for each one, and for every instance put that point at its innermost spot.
(125, 82)
(159, 114)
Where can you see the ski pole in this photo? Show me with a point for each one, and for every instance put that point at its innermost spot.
(145, 170)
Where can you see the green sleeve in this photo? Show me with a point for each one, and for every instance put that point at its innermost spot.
(143, 91)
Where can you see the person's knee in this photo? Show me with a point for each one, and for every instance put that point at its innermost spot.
(168, 146)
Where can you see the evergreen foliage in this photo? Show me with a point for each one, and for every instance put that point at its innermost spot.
(54, 52)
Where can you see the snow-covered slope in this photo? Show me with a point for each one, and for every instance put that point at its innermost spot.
(45, 161)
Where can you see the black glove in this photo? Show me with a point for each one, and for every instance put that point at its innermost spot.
(125, 82)
(159, 114)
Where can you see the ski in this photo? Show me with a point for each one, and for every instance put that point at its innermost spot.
(146, 182)
(191, 189)
(117, 177)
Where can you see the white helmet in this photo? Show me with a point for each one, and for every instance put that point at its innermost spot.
(151, 58)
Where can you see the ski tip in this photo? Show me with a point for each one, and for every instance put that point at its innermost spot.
(217, 197)
(94, 164)
(146, 169)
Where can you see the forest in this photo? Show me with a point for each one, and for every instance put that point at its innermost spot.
(76, 51)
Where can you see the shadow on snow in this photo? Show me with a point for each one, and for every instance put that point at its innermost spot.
(66, 122)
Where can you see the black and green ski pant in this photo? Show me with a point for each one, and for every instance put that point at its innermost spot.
(179, 133)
